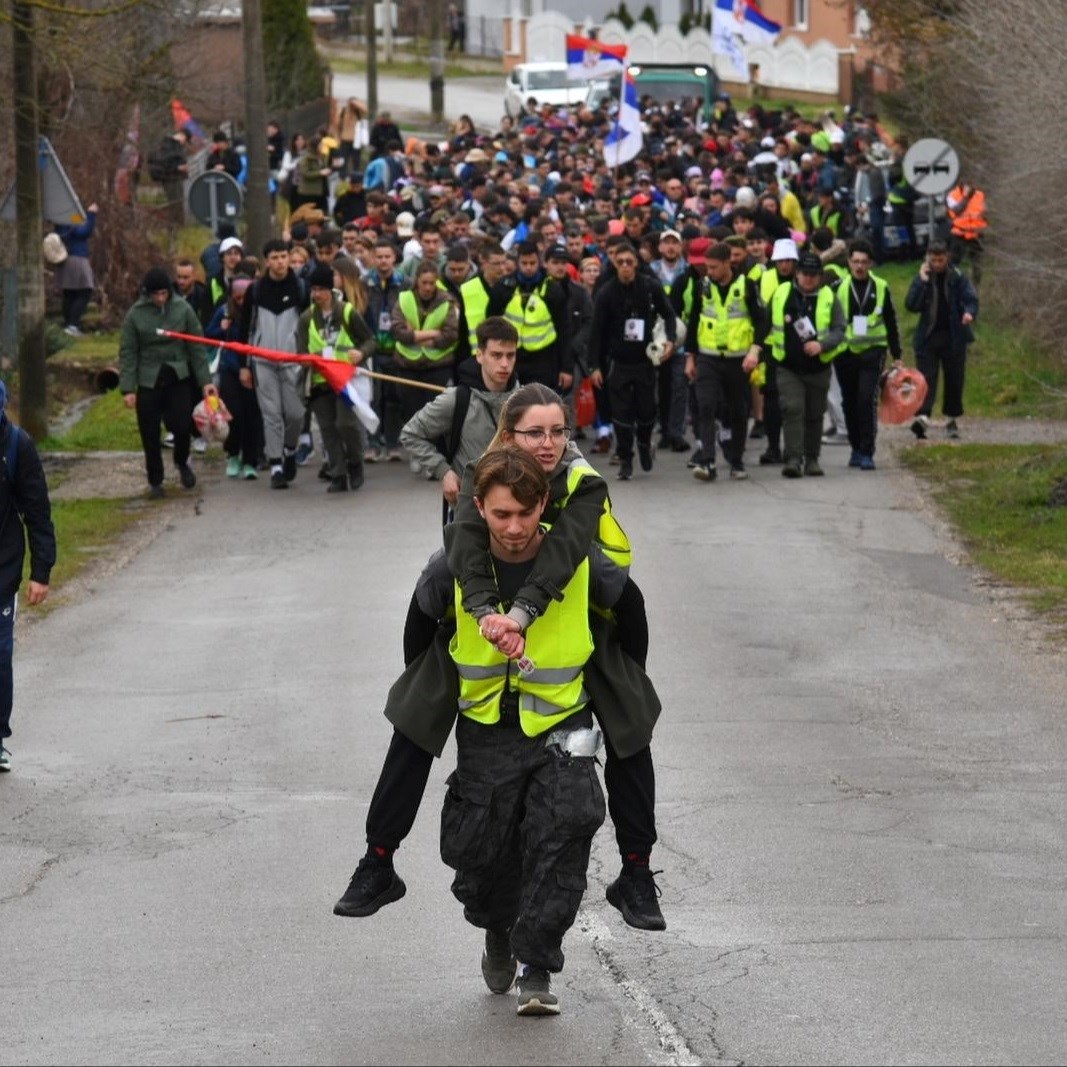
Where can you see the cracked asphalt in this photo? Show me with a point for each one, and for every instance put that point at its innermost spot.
(861, 798)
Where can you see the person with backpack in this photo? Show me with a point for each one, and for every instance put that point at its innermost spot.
(455, 428)
(336, 330)
(26, 513)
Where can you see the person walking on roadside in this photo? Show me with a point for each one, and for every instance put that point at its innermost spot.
(967, 213)
(870, 329)
(157, 374)
(947, 306)
(807, 328)
(26, 513)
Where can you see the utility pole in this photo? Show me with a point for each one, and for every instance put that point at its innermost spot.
(33, 385)
(372, 60)
(437, 65)
(257, 196)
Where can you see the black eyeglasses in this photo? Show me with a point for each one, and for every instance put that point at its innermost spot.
(537, 437)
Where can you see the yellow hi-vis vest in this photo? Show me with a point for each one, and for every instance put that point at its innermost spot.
(475, 305)
(218, 291)
(558, 644)
(877, 336)
(610, 536)
(769, 283)
(832, 221)
(408, 305)
(824, 312)
(533, 321)
(342, 344)
(725, 328)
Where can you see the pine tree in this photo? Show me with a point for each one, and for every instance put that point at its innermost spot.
(294, 69)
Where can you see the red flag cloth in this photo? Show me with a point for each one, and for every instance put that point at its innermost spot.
(336, 372)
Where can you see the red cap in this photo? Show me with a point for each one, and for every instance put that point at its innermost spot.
(698, 249)
(640, 200)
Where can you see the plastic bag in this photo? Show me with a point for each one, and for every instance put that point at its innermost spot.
(212, 419)
(903, 393)
(585, 404)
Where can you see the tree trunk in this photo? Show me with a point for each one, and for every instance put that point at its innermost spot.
(33, 386)
(257, 195)
(372, 62)
(437, 65)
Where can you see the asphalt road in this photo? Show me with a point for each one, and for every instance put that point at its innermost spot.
(860, 777)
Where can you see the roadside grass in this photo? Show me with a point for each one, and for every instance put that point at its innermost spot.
(107, 426)
(85, 529)
(411, 68)
(998, 497)
(1009, 375)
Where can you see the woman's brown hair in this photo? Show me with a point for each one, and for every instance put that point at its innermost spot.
(516, 405)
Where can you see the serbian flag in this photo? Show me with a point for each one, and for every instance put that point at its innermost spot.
(744, 18)
(588, 59)
(625, 139)
(343, 378)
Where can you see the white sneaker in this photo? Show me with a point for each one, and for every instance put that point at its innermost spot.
(168, 441)
(199, 445)
(5, 759)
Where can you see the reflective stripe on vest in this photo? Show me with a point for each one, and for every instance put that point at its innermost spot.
(408, 306)
(533, 321)
(342, 343)
(610, 535)
(475, 305)
(824, 313)
(725, 328)
(559, 643)
(877, 336)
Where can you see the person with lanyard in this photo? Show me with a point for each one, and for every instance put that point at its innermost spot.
(422, 704)
(806, 329)
(681, 284)
(333, 329)
(536, 306)
(726, 327)
(870, 328)
(624, 317)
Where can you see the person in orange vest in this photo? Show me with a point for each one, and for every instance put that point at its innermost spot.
(966, 210)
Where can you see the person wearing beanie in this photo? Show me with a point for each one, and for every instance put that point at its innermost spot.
(157, 375)
(336, 330)
(24, 500)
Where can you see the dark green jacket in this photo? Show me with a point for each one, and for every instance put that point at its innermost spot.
(143, 353)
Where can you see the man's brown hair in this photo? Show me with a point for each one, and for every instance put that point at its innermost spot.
(516, 471)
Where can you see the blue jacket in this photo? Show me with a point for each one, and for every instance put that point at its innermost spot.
(229, 360)
(76, 238)
(961, 299)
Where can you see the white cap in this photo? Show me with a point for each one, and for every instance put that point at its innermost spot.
(228, 243)
(767, 142)
(746, 196)
(405, 224)
(693, 172)
(784, 248)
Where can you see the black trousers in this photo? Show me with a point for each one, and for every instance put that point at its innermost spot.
(858, 374)
(940, 355)
(721, 381)
(632, 387)
(75, 301)
(169, 401)
(412, 398)
(631, 785)
(772, 408)
(245, 438)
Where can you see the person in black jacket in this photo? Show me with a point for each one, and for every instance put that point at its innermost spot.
(579, 317)
(624, 314)
(23, 503)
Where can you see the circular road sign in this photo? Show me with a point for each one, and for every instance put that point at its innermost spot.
(931, 166)
(215, 196)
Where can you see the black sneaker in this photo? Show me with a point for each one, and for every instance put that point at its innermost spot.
(324, 472)
(756, 433)
(355, 476)
(373, 885)
(634, 893)
(498, 963)
(535, 993)
(338, 485)
(680, 444)
(5, 760)
(792, 470)
(952, 430)
(188, 478)
(156, 492)
(771, 458)
(278, 479)
(646, 456)
(664, 442)
(918, 426)
(812, 468)
(289, 466)
(626, 470)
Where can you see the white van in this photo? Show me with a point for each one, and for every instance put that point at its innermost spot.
(546, 82)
